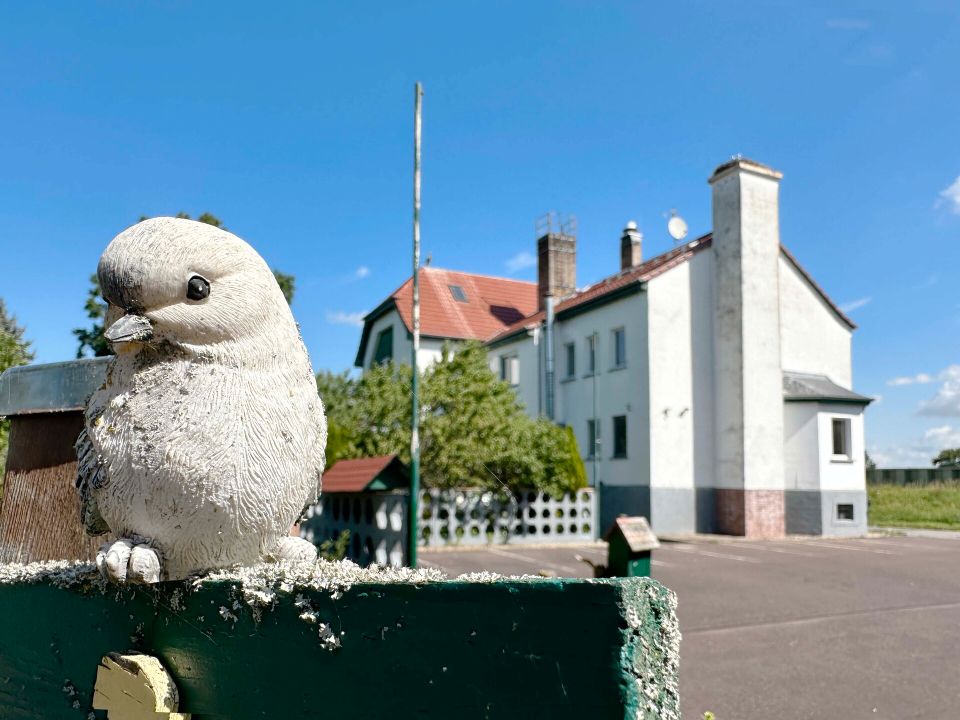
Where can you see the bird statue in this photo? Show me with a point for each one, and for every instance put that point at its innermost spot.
(206, 441)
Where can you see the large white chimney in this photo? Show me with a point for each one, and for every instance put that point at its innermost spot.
(748, 377)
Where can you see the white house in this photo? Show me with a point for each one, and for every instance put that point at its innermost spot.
(709, 387)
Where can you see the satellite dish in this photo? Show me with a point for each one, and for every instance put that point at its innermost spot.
(676, 226)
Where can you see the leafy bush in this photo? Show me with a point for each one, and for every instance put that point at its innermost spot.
(473, 430)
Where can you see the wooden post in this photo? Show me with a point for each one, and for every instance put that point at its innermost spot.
(39, 508)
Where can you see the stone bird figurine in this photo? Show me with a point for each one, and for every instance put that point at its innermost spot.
(207, 439)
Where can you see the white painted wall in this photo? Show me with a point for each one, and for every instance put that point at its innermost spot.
(430, 348)
(837, 474)
(808, 451)
(812, 338)
(618, 391)
(701, 272)
(526, 348)
(672, 408)
(801, 440)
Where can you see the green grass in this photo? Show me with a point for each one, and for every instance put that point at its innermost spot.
(934, 506)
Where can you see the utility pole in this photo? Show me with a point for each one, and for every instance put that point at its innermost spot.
(596, 432)
(415, 377)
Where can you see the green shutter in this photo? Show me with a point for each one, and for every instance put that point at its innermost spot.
(384, 350)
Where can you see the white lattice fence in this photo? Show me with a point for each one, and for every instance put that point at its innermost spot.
(473, 517)
(377, 521)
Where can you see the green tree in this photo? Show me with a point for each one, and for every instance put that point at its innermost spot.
(14, 351)
(287, 285)
(91, 339)
(948, 458)
(337, 391)
(474, 432)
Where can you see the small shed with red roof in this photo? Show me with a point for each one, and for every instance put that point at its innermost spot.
(385, 472)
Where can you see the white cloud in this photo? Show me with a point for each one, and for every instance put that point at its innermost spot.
(945, 436)
(855, 304)
(920, 452)
(847, 24)
(339, 317)
(946, 403)
(918, 379)
(950, 197)
(520, 261)
(361, 272)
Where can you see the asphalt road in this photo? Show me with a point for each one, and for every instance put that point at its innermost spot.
(812, 628)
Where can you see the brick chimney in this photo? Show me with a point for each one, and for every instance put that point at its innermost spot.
(556, 266)
(631, 246)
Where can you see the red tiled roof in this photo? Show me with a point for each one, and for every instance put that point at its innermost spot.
(354, 475)
(641, 273)
(498, 308)
(492, 304)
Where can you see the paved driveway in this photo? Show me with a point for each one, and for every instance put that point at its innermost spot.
(812, 628)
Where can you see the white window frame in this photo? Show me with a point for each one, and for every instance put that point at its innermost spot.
(591, 355)
(619, 363)
(853, 512)
(570, 357)
(593, 443)
(510, 369)
(847, 430)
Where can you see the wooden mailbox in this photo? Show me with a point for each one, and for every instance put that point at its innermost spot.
(630, 542)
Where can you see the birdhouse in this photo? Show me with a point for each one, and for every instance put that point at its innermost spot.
(629, 544)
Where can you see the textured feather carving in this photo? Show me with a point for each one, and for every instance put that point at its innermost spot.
(90, 475)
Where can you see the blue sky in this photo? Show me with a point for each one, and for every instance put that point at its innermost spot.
(292, 122)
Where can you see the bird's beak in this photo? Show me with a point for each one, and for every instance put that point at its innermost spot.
(129, 328)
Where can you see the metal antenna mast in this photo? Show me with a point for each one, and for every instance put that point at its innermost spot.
(415, 382)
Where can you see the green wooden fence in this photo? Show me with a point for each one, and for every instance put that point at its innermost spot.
(913, 476)
(335, 640)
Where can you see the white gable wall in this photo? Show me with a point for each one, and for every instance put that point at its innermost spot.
(812, 338)
(430, 348)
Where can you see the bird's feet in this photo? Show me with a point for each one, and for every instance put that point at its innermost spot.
(126, 561)
(295, 549)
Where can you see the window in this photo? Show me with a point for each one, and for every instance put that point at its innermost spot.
(591, 354)
(571, 352)
(510, 369)
(593, 438)
(458, 294)
(841, 437)
(845, 511)
(619, 348)
(620, 436)
(383, 353)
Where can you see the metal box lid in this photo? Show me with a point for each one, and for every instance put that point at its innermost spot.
(636, 533)
(51, 387)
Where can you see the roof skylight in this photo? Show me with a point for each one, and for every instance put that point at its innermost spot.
(458, 294)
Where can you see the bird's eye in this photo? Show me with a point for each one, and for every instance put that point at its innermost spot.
(197, 288)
